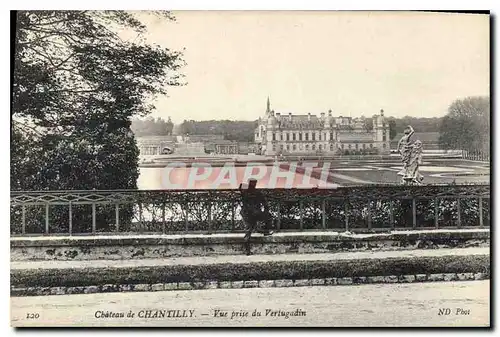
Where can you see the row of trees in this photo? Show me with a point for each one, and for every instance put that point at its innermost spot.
(242, 131)
(152, 127)
(422, 124)
(76, 86)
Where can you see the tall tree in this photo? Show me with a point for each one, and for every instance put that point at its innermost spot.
(392, 128)
(467, 125)
(77, 84)
(369, 124)
(170, 126)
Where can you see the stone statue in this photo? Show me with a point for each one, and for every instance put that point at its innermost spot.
(411, 157)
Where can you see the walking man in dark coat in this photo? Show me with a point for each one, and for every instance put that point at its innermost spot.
(254, 209)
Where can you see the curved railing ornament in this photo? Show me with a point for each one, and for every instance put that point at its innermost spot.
(353, 208)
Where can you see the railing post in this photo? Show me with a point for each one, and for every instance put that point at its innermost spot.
(301, 210)
(141, 224)
(391, 213)
(346, 209)
(70, 215)
(436, 213)
(163, 225)
(278, 222)
(459, 219)
(232, 214)
(23, 227)
(323, 214)
(186, 223)
(481, 212)
(209, 217)
(47, 218)
(489, 212)
(414, 213)
(93, 219)
(117, 217)
(369, 215)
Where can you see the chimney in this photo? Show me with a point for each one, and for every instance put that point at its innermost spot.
(290, 116)
(322, 115)
(381, 112)
(330, 113)
(308, 116)
(278, 114)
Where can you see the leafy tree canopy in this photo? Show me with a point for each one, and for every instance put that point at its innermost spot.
(467, 125)
(77, 84)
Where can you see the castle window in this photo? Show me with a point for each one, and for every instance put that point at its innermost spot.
(294, 147)
(319, 136)
(307, 147)
(371, 146)
(349, 146)
(287, 137)
(331, 135)
(274, 147)
(314, 136)
(356, 146)
(320, 147)
(364, 146)
(307, 136)
(293, 136)
(274, 136)
(384, 137)
(331, 147)
(384, 146)
(281, 147)
(342, 146)
(314, 146)
(281, 135)
(300, 135)
(287, 147)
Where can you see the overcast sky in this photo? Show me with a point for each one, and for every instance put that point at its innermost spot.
(352, 63)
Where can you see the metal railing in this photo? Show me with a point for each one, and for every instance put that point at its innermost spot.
(476, 155)
(354, 208)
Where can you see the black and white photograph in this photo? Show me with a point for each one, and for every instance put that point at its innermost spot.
(250, 168)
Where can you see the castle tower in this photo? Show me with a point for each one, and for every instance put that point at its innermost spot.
(381, 133)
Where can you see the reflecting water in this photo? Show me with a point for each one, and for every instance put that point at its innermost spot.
(195, 178)
(149, 178)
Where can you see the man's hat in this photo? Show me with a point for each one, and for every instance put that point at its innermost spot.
(252, 182)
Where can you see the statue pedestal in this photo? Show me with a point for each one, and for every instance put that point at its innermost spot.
(411, 181)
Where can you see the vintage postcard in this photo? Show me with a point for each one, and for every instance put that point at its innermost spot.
(250, 169)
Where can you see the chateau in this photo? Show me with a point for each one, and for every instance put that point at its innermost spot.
(309, 134)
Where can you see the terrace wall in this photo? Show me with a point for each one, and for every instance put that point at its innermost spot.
(170, 246)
